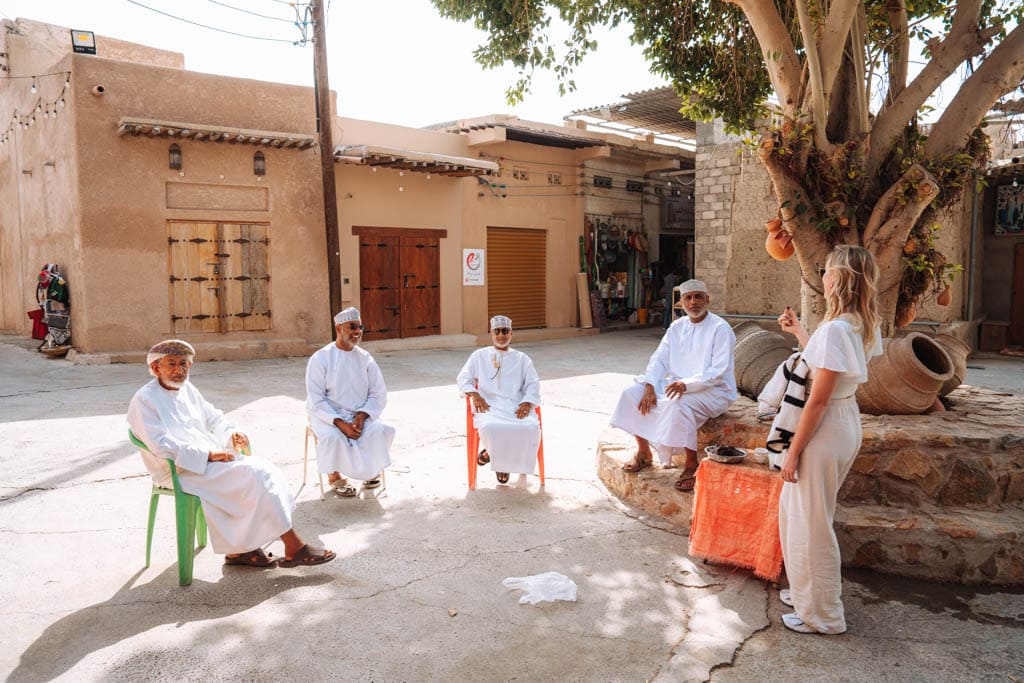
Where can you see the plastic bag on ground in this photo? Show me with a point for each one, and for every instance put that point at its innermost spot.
(546, 587)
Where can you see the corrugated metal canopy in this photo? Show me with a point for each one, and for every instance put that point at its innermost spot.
(655, 110)
(411, 160)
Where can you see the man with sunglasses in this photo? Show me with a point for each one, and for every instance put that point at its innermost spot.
(503, 388)
(345, 395)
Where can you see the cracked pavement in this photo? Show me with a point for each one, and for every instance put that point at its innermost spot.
(77, 604)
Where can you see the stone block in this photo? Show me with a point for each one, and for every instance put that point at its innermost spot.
(1013, 490)
(914, 465)
(967, 484)
(865, 462)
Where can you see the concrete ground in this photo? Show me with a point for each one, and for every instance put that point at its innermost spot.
(416, 593)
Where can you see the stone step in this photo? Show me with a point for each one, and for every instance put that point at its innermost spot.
(961, 545)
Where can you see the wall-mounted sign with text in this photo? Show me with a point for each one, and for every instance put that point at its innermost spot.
(472, 267)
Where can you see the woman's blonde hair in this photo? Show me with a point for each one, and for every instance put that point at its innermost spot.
(854, 288)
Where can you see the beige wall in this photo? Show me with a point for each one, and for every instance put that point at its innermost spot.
(99, 203)
(33, 47)
(38, 202)
(528, 204)
(121, 301)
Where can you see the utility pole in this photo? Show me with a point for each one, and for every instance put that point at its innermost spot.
(324, 119)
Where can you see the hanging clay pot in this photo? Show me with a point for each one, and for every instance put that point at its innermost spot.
(957, 352)
(906, 378)
(945, 297)
(774, 225)
(779, 245)
(906, 315)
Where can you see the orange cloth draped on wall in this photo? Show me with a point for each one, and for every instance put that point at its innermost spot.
(736, 517)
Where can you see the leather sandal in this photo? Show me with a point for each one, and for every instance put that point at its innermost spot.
(687, 480)
(483, 458)
(636, 464)
(502, 477)
(307, 556)
(343, 488)
(372, 483)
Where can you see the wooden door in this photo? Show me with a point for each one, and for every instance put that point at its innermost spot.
(517, 275)
(219, 276)
(195, 271)
(420, 263)
(1016, 332)
(379, 277)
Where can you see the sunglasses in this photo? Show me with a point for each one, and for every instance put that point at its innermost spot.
(354, 326)
(501, 330)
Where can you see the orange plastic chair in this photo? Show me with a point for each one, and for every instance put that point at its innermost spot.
(473, 445)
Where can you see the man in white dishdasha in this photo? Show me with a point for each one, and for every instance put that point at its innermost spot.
(503, 388)
(689, 380)
(245, 499)
(345, 395)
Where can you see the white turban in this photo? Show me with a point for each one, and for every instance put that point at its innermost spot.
(501, 321)
(350, 314)
(692, 286)
(168, 347)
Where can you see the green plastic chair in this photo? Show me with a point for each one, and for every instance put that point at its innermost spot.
(191, 522)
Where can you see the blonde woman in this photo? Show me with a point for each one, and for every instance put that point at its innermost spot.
(827, 438)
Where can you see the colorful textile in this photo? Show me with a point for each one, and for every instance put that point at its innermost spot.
(736, 517)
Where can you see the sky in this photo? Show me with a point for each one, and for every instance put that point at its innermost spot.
(394, 61)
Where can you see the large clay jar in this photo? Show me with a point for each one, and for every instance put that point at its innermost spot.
(906, 378)
(758, 352)
(957, 352)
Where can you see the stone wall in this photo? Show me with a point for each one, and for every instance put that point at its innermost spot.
(937, 496)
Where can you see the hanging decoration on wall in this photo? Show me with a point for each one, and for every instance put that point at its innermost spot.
(46, 106)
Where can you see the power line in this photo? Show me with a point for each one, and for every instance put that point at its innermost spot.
(255, 14)
(213, 28)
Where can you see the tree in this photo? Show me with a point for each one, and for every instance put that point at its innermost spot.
(848, 160)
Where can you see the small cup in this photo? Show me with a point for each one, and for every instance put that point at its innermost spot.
(761, 456)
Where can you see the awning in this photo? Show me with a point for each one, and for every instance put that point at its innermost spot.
(208, 133)
(410, 160)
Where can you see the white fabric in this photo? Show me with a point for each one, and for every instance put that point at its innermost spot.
(501, 321)
(785, 393)
(701, 356)
(692, 286)
(807, 507)
(340, 384)
(350, 314)
(504, 379)
(246, 501)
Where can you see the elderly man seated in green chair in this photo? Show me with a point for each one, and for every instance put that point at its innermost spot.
(245, 499)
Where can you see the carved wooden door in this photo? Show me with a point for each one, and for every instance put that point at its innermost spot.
(400, 285)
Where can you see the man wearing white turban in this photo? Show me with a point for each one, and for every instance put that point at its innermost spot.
(345, 396)
(503, 388)
(689, 380)
(245, 499)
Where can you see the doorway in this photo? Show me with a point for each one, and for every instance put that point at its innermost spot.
(400, 281)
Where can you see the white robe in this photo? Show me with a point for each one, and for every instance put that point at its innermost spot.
(340, 384)
(246, 501)
(701, 356)
(807, 508)
(512, 443)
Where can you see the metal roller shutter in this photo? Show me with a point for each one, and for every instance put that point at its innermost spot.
(516, 275)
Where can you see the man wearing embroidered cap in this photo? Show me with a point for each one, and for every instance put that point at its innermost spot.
(245, 499)
(689, 380)
(345, 395)
(503, 388)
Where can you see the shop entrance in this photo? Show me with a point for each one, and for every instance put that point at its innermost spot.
(517, 275)
(400, 282)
